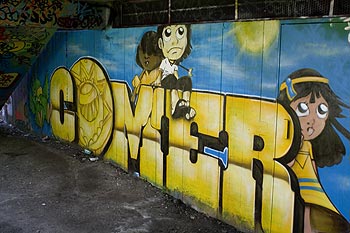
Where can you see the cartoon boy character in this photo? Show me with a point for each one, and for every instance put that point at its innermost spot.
(308, 93)
(148, 57)
(174, 41)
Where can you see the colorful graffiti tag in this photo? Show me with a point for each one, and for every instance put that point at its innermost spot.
(217, 114)
(27, 26)
(19, 47)
(66, 14)
(167, 150)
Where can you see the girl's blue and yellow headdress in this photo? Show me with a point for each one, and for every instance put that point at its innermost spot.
(289, 84)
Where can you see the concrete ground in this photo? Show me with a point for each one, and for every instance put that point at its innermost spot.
(47, 186)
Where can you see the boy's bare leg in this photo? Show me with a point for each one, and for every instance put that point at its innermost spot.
(174, 99)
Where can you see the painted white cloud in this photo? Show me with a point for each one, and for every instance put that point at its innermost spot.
(110, 66)
(322, 49)
(76, 49)
(318, 50)
(343, 182)
(116, 42)
(228, 70)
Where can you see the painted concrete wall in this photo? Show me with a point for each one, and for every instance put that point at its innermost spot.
(245, 152)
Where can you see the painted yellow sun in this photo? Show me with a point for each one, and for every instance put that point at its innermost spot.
(253, 37)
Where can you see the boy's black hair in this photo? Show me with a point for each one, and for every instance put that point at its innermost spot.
(328, 148)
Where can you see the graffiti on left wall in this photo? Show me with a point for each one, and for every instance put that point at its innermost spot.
(38, 101)
(19, 48)
(19, 45)
(23, 12)
(7, 79)
(65, 14)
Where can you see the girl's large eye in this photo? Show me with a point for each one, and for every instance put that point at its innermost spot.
(322, 111)
(302, 109)
(167, 34)
(180, 32)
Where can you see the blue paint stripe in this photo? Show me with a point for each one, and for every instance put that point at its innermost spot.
(308, 180)
(212, 152)
(220, 155)
(311, 188)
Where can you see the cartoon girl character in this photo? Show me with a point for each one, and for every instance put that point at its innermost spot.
(174, 41)
(308, 93)
(148, 57)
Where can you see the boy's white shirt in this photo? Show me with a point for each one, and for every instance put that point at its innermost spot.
(167, 68)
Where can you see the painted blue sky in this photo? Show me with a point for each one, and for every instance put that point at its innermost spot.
(223, 63)
(218, 62)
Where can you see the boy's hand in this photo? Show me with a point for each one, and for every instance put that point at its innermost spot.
(157, 83)
(190, 72)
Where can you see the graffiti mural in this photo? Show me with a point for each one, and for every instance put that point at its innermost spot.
(148, 57)
(19, 47)
(93, 104)
(27, 26)
(174, 41)
(309, 95)
(7, 79)
(65, 14)
(21, 44)
(23, 13)
(164, 139)
(81, 15)
(38, 101)
(223, 116)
